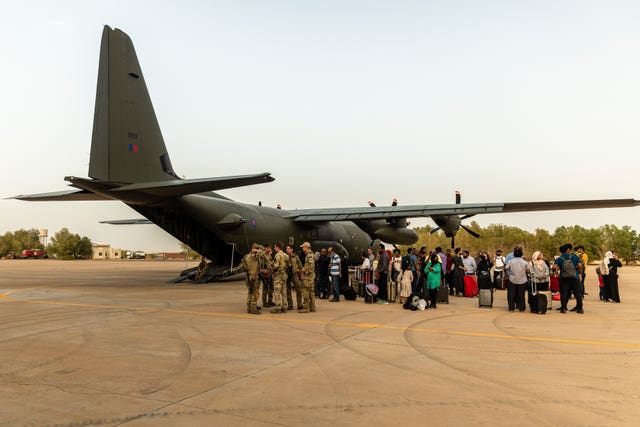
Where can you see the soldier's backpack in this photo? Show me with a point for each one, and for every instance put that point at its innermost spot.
(568, 269)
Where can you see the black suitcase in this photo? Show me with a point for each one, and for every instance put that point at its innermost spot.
(361, 289)
(443, 295)
(542, 303)
(532, 298)
(349, 293)
(368, 298)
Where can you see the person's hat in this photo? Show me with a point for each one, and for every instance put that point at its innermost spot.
(305, 244)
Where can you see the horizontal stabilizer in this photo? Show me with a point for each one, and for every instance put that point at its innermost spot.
(182, 187)
(136, 221)
(62, 196)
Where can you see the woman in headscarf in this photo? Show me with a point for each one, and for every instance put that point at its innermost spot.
(539, 276)
(610, 265)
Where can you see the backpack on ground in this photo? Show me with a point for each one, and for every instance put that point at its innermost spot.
(568, 269)
(412, 302)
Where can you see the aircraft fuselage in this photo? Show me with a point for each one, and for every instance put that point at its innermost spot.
(216, 227)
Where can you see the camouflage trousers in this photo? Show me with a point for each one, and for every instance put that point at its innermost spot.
(253, 291)
(308, 294)
(280, 291)
(293, 283)
(267, 290)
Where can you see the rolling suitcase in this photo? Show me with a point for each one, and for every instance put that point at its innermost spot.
(470, 286)
(499, 283)
(554, 284)
(542, 302)
(547, 294)
(443, 295)
(370, 294)
(392, 289)
(486, 298)
(359, 283)
(539, 302)
(532, 298)
(355, 282)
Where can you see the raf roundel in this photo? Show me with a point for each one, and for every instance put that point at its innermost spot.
(253, 223)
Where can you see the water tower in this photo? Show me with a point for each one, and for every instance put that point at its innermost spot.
(43, 233)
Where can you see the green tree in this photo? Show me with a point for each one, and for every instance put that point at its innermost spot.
(596, 241)
(19, 240)
(188, 252)
(543, 241)
(621, 240)
(5, 246)
(67, 245)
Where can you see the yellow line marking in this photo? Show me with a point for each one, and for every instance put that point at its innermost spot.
(6, 297)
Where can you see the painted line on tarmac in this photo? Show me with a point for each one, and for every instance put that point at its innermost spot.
(6, 297)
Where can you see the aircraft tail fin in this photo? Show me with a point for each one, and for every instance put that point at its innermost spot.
(126, 145)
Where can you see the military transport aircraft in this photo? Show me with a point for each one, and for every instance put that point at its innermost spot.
(129, 162)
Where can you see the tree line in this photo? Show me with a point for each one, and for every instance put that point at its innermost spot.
(596, 241)
(64, 244)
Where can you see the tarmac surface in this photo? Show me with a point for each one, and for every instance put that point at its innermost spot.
(110, 343)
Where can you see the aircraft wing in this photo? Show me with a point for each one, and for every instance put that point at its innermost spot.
(61, 196)
(181, 187)
(416, 211)
(135, 221)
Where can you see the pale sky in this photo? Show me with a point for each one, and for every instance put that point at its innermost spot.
(342, 101)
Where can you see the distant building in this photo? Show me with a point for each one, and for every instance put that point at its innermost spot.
(105, 251)
(170, 256)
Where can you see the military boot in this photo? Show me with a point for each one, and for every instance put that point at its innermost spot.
(303, 310)
(254, 311)
(278, 310)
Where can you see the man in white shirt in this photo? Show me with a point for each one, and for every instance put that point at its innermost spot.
(469, 264)
(518, 270)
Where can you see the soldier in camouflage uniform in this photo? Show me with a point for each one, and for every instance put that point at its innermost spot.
(280, 262)
(251, 264)
(294, 273)
(266, 275)
(308, 279)
(202, 268)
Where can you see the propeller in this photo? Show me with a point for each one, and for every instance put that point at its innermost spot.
(394, 202)
(470, 231)
(450, 224)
